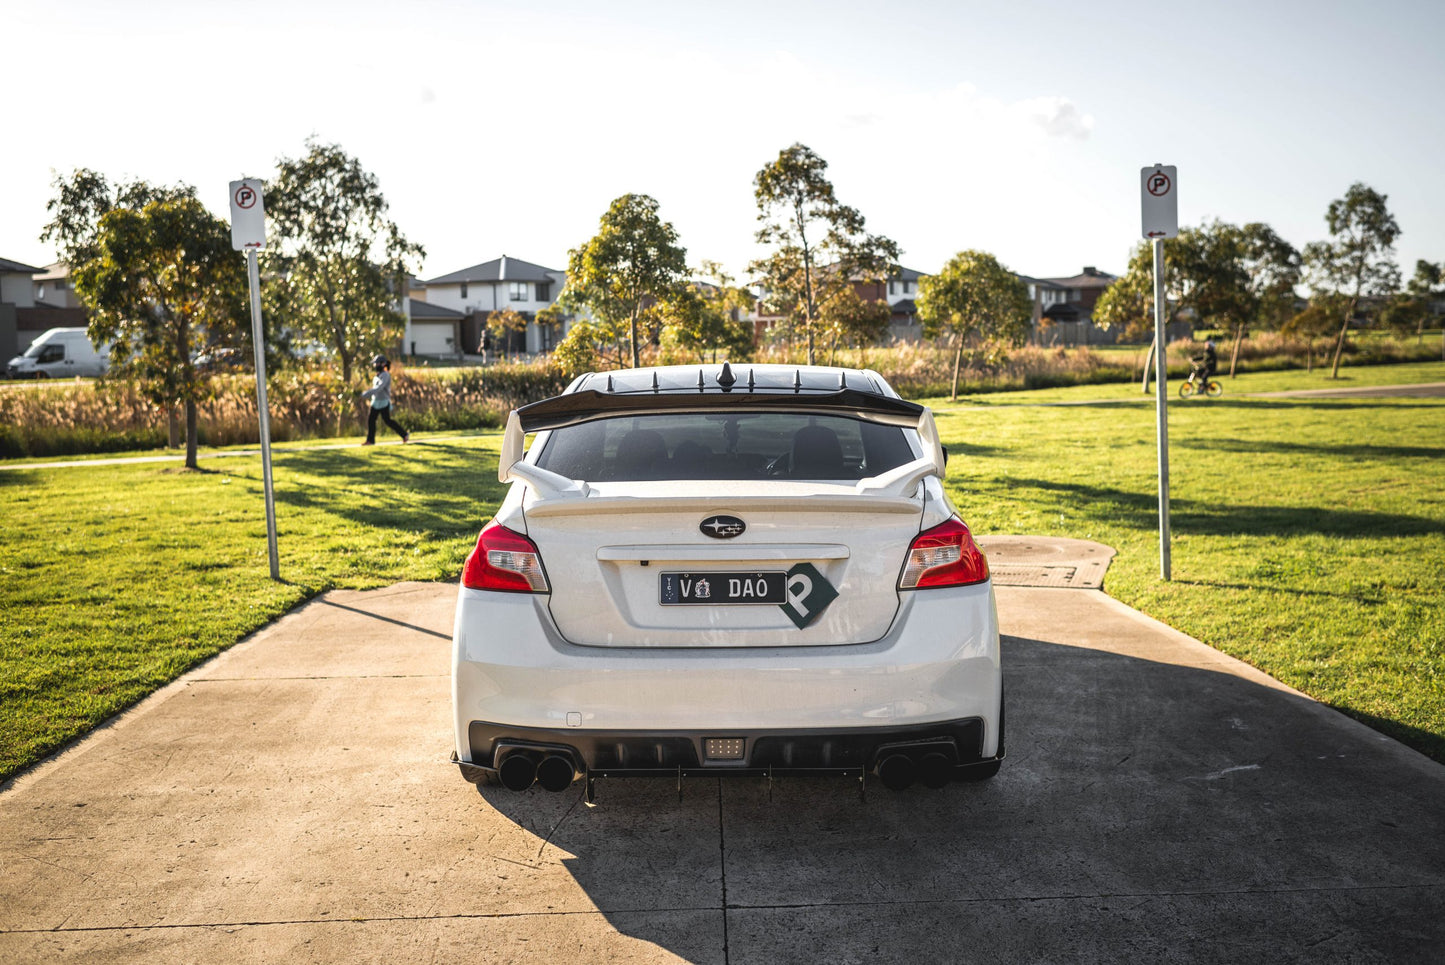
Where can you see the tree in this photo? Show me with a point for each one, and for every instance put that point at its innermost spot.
(1128, 304)
(500, 325)
(1427, 289)
(1273, 265)
(848, 318)
(632, 264)
(707, 315)
(577, 353)
(160, 282)
(77, 209)
(1359, 258)
(344, 264)
(819, 244)
(975, 300)
(1316, 321)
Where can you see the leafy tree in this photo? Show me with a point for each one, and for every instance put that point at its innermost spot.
(1273, 265)
(160, 282)
(1359, 258)
(77, 209)
(1315, 322)
(707, 315)
(850, 319)
(974, 300)
(819, 245)
(500, 325)
(631, 265)
(1427, 290)
(342, 262)
(1128, 304)
(578, 352)
(1225, 276)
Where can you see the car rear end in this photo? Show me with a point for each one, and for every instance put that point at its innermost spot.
(710, 581)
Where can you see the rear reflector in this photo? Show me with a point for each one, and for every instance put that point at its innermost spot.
(506, 561)
(945, 555)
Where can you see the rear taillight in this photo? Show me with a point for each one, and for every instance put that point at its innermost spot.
(945, 555)
(504, 560)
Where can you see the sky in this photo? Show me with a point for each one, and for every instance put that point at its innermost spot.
(508, 127)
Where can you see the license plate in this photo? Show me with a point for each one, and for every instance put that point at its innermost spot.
(724, 589)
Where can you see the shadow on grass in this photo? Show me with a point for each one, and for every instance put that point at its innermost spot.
(1295, 403)
(1138, 509)
(446, 494)
(1351, 450)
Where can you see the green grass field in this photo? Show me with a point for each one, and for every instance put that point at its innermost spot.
(1309, 540)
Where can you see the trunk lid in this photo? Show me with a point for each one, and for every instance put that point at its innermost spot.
(623, 560)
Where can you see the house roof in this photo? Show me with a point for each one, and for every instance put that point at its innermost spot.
(906, 306)
(906, 274)
(425, 310)
(53, 272)
(1091, 277)
(1045, 282)
(19, 267)
(498, 269)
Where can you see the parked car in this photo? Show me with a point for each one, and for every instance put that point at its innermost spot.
(718, 570)
(59, 353)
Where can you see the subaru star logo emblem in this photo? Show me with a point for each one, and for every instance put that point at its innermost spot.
(722, 527)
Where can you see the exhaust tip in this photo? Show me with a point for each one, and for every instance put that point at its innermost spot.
(517, 772)
(556, 773)
(935, 770)
(895, 771)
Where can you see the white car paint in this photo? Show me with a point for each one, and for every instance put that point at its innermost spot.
(599, 653)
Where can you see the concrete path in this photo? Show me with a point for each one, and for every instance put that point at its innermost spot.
(290, 801)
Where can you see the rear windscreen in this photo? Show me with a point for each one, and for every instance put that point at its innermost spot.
(755, 445)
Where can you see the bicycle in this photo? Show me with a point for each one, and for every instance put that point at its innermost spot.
(1197, 384)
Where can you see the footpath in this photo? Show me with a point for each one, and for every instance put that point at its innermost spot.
(291, 800)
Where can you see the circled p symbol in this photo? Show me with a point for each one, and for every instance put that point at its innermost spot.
(245, 197)
(1159, 184)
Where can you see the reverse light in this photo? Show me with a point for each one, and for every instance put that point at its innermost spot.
(506, 561)
(945, 555)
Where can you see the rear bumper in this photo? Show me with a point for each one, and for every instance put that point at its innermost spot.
(614, 754)
(937, 670)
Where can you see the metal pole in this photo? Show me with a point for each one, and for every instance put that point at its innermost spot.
(259, 338)
(1161, 408)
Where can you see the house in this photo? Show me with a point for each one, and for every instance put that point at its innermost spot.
(1064, 308)
(468, 296)
(33, 301)
(53, 288)
(17, 293)
(899, 291)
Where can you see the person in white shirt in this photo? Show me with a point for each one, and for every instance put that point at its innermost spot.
(380, 396)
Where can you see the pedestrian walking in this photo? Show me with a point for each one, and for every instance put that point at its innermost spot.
(380, 396)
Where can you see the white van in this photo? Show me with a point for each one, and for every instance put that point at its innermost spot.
(59, 353)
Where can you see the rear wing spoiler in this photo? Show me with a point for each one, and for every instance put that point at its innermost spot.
(577, 407)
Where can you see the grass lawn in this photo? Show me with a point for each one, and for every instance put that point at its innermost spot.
(1308, 534)
(116, 579)
(1309, 540)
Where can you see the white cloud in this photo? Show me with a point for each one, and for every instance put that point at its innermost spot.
(1059, 117)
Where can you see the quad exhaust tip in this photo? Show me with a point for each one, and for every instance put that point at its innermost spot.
(896, 772)
(517, 772)
(520, 769)
(556, 773)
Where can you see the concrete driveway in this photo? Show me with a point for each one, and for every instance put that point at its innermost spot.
(291, 801)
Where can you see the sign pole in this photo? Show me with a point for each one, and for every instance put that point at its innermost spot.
(258, 337)
(1159, 209)
(248, 234)
(1161, 405)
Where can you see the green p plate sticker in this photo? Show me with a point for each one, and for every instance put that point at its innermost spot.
(809, 594)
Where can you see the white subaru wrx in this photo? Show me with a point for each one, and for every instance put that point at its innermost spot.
(714, 569)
